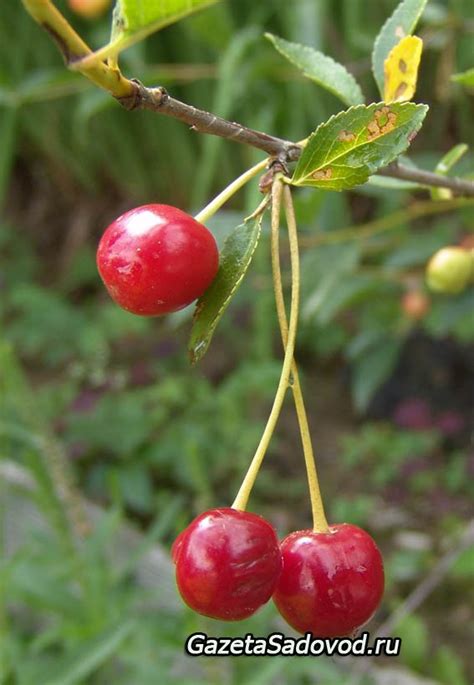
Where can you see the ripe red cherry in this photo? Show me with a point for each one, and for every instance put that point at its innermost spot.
(156, 259)
(227, 563)
(331, 583)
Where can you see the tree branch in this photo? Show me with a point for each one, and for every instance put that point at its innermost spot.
(421, 592)
(426, 178)
(429, 582)
(133, 95)
(159, 100)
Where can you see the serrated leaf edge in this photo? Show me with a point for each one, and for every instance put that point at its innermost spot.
(307, 48)
(129, 37)
(195, 357)
(332, 118)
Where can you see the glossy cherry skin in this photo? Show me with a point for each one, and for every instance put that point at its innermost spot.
(227, 563)
(156, 259)
(331, 583)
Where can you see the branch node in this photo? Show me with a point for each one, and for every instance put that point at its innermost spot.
(276, 166)
(134, 100)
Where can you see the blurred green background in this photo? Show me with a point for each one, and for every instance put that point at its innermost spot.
(99, 408)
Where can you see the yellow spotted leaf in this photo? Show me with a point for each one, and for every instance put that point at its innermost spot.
(401, 69)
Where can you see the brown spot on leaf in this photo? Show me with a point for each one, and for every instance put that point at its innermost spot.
(322, 174)
(373, 129)
(383, 122)
(400, 32)
(400, 90)
(346, 136)
(402, 65)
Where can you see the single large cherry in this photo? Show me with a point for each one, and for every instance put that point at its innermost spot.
(227, 563)
(331, 583)
(156, 259)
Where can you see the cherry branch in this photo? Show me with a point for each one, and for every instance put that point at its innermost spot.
(132, 94)
(159, 100)
(426, 178)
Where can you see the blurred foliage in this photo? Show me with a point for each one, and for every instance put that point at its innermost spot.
(157, 441)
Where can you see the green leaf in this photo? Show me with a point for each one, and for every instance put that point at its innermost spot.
(323, 272)
(135, 19)
(392, 183)
(400, 24)
(355, 288)
(235, 258)
(465, 78)
(371, 369)
(443, 167)
(321, 69)
(345, 150)
(451, 158)
(415, 640)
(418, 246)
(447, 666)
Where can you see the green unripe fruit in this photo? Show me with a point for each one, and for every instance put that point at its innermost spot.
(450, 270)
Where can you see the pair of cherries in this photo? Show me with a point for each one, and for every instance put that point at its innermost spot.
(229, 563)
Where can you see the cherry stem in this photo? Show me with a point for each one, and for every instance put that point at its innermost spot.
(215, 204)
(243, 495)
(320, 524)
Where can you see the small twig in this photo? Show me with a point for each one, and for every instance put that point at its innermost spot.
(427, 178)
(429, 583)
(159, 100)
(133, 95)
(418, 596)
(388, 222)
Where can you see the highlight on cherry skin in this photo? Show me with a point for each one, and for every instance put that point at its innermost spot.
(331, 583)
(227, 563)
(156, 259)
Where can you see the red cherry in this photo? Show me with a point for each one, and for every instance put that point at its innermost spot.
(89, 9)
(331, 583)
(227, 563)
(415, 304)
(156, 259)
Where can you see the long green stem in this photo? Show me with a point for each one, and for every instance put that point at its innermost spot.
(74, 49)
(241, 500)
(320, 524)
(213, 206)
